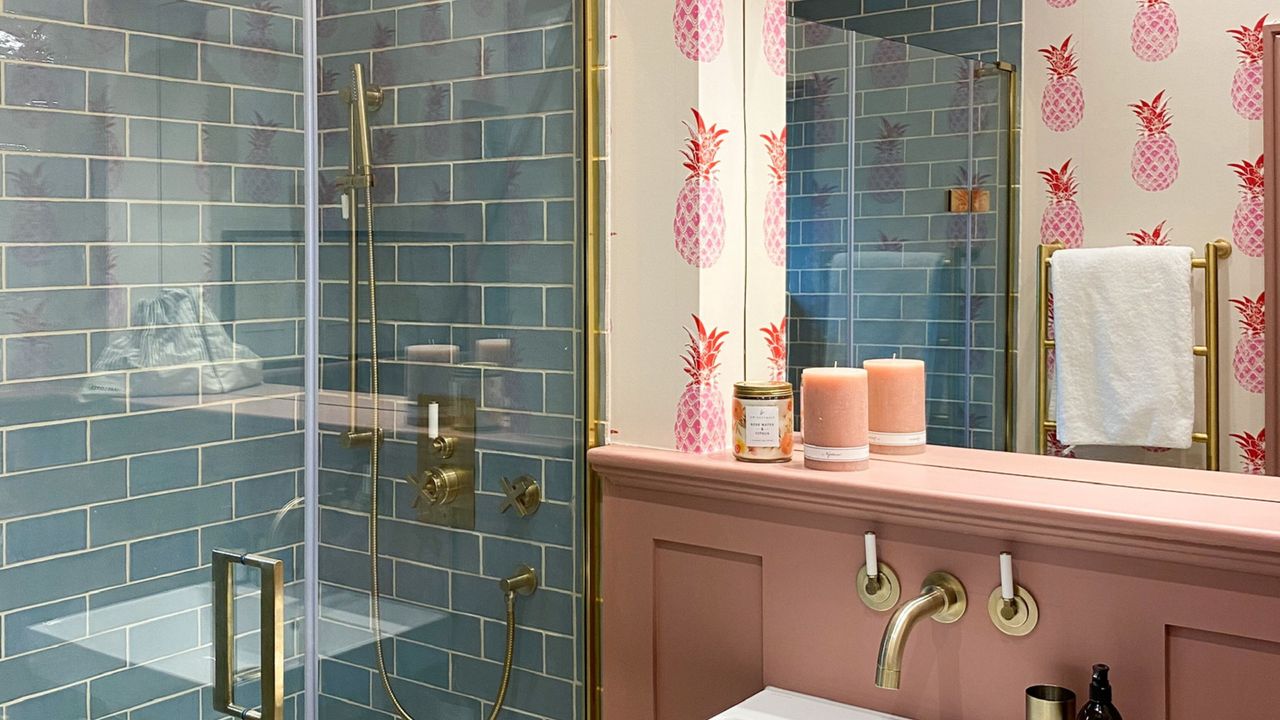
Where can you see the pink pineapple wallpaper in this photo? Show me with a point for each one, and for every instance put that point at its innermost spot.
(699, 222)
(1168, 152)
(693, 200)
(1062, 102)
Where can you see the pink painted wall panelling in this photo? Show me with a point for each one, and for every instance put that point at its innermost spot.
(1175, 635)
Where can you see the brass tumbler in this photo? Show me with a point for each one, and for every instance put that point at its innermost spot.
(1050, 702)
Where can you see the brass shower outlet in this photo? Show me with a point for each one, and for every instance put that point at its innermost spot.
(446, 470)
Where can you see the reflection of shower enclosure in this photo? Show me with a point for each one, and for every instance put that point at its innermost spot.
(880, 261)
(175, 376)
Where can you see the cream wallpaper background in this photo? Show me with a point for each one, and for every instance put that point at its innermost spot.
(1118, 47)
(653, 292)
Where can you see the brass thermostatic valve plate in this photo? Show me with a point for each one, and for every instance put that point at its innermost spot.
(882, 596)
(446, 470)
(1026, 614)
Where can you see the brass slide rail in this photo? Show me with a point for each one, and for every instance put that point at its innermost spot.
(1212, 437)
(272, 635)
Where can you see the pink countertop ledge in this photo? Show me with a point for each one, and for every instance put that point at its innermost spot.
(1189, 526)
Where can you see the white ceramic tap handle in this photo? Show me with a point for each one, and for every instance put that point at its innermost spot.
(433, 420)
(873, 562)
(1006, 576)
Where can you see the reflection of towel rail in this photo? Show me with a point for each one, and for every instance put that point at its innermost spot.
(1212, 437)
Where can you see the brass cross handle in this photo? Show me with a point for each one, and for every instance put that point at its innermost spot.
(524, 495)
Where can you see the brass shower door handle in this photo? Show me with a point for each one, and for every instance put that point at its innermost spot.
(272, 635)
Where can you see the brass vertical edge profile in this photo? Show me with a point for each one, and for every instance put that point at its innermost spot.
(591, 73)
(1013, 185)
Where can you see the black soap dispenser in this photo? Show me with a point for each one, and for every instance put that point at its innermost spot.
(1099, 706)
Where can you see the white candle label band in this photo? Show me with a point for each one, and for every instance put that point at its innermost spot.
(847, 454)
(888, 439)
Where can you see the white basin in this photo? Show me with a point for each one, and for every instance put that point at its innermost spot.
(775, 704)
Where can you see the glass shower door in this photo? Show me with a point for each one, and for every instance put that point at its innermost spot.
(150, 313)
(474, 193)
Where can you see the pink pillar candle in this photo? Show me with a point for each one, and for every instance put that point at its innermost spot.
(896, 406)
(447, 354)
(494, 351)
(833, 413)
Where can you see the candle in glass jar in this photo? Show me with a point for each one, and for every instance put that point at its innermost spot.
(833, 412)
(895, 409)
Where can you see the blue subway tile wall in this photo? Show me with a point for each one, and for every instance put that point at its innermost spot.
(882, 101)
(151, 151)
(475, 228)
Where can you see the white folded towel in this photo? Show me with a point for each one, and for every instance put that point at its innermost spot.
(1124, 327)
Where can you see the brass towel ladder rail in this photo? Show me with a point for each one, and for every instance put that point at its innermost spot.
(272, 635)
(1212, 437)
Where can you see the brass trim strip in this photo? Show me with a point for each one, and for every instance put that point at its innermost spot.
(1044, 346)
(1214, 253)
(592, 74)
(271, 635)
(1013, 183)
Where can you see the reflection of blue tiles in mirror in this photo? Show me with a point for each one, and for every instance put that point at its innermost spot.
(876, 263)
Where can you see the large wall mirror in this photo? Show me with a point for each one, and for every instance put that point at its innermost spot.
(939, 157)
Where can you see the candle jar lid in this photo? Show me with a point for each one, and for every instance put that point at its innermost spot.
(762, 389)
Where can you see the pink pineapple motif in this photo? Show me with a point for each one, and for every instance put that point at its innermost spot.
(700, 417)
(819, 90)
(1062, 221)
(890, 244)
(1246, 86)
(775, 206)
(1155, 163)
(889, 64)
(818, 34)
(33, 221)
(1060, 3)
(258, 26)
(261, 185)
(699, 28)
(775, 338)
(1155, 30)
(963, 98)
(1062, 105)
(1248, 230)
(699, 223)
(1057, 449)
(1158, 236)
(888, 173)
(1253, 451)
(775, 36)
(1250, 361)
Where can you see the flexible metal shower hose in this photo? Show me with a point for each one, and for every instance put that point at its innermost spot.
(374, 442)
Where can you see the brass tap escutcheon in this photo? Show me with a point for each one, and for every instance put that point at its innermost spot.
(882, 592)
